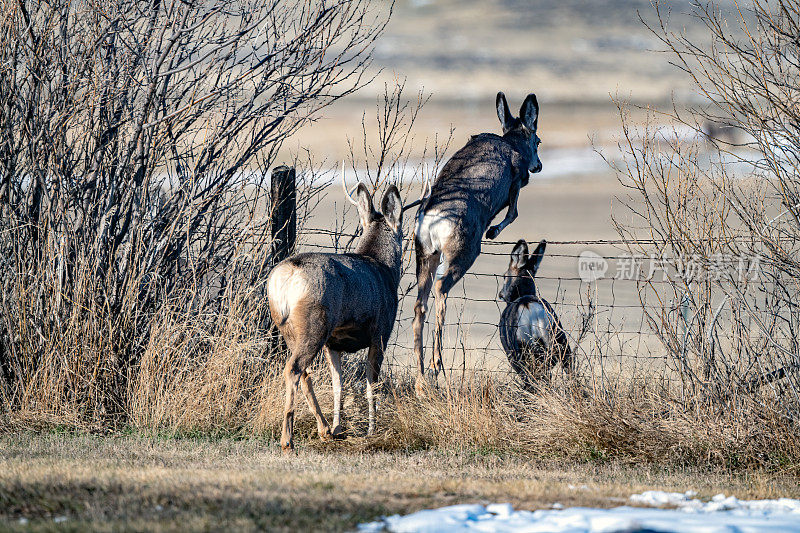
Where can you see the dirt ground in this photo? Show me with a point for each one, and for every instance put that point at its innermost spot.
(71, 482)
(567, 50)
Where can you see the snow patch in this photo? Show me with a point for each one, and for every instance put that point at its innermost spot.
(686, 502)
(657, 498)
(723, 514)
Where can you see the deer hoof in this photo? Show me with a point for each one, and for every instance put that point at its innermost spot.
(338, 432)
(492, 232)
(326, 434)
(288, 449)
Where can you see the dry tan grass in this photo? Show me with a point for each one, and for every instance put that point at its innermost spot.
(156, 484)
(229, 389)
(195, 380)
(573, 422)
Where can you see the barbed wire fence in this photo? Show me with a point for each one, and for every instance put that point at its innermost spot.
(633, 313)
(603, 317)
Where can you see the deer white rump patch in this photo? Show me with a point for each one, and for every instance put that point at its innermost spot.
(286, 287)
(433, 231)
(534, 323)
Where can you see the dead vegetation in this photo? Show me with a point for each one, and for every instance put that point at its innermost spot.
(718, 198)
(161, 484)
(134, 156)
(229, 392)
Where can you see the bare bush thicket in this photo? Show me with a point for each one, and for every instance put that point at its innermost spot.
(135, 139)
(723, 212)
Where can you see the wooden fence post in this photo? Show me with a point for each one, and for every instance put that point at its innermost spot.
(283, 222)
(283, 213)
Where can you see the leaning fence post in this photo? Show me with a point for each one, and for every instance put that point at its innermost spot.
(283, 213)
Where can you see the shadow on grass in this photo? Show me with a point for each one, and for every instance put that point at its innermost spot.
(86, 506)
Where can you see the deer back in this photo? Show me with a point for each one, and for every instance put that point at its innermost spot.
(348, 299)
(475, 183)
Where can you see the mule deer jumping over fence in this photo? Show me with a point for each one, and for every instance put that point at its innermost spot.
(531, 334)
(342, 302)
(478, 182)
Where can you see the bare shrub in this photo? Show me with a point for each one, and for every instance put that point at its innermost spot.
(135, 140)
(723, 213)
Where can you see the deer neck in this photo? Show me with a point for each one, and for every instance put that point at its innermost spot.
(383, 251)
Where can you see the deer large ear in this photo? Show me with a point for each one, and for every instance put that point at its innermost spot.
(529, 112)
(536, 257)
(503, 113)
(364, 204)
(392, 207)
(519, 255)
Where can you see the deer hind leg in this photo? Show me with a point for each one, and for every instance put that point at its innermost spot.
(426, 267)
(523, 362)
(441, 310)
(302, 355)
(335, 364)
(447, 275)
(291, 376)
(567, 360)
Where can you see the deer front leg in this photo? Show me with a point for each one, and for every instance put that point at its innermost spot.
(374, 360)
(323, 428)
(511, 214)
(335, 364)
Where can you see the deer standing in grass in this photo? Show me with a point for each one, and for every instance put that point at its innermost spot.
(531, 333)
(475, 185)
(342, 303)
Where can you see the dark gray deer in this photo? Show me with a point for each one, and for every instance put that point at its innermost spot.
(475, 185)
(339, 302)
(530, 331)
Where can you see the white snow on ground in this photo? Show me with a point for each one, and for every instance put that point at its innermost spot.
(721, 515)
(686, 502)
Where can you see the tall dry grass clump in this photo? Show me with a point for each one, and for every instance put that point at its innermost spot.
(216, 376)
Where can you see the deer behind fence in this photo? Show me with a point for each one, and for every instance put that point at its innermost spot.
(530, 331)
